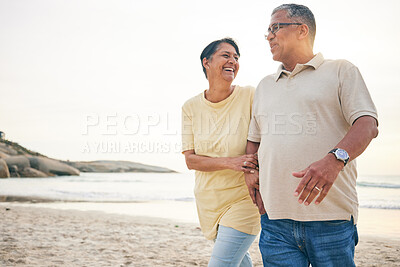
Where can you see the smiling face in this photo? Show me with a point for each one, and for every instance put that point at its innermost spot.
(284, 41)
(223, 64)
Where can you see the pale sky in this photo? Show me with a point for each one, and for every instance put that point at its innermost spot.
(80, 79)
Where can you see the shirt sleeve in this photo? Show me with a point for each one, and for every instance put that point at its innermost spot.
(254, 134)
(354, 95)
(187, 130)
(254, 131)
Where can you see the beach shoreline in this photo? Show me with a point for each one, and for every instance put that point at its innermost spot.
(43, 236)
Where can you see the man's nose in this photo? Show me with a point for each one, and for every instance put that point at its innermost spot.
(269, 36)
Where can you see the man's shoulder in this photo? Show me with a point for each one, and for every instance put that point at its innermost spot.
(338, 63)
(267, 79)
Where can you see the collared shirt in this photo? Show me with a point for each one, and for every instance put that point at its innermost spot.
(315, 62)
(298, 117)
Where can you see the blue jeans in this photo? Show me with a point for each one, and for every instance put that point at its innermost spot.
(231, 248)
(294, 243)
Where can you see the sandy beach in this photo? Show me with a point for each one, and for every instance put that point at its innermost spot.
(37, 236)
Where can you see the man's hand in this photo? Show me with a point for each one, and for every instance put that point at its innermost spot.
(252, 178)
(259, 203)
(317, 178)
(252, 182)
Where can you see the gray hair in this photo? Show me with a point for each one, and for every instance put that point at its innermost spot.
(300, 14)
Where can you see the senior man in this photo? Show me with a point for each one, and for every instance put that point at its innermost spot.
(310, 120)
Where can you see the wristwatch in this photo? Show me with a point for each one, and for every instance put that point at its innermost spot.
(341, 155)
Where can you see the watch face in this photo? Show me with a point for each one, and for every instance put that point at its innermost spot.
(342, 154)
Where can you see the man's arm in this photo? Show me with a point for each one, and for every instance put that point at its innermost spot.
(323, 173)
(252, 179)
(252, 147)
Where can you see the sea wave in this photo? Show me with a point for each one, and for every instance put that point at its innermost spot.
(378, 185)
(97, 180)
(184, 199)
(94, 198)
(381, 206)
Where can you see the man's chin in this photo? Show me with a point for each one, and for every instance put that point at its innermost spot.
(275, 57)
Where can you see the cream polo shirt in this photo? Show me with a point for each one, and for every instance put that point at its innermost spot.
(220, 130)
(298, 118)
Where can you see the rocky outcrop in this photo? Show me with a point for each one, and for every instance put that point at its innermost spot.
(14, 149)
(14, 171)
(18, 161)
(32, 173)
(8, 150)
(51, 166)
(3, 155)
(4, 172)
(28, 166)
(22, 162)
(115, 166)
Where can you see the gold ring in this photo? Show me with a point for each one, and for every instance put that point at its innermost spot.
(317, 188)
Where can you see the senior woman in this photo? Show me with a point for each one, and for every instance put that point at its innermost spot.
(215, 124)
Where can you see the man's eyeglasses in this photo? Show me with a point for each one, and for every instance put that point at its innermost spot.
(276, 26)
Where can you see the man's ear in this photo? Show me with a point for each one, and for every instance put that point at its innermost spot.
(303, 31)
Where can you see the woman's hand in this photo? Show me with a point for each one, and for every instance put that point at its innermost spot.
(246, 163)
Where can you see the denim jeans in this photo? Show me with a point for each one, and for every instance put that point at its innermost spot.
(319, 243)
(231, 248)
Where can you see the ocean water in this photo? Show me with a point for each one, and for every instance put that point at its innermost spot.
(381, 192)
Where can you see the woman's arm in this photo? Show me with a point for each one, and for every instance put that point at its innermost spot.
(244, 163)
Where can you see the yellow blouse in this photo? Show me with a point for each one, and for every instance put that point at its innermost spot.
(220, 130)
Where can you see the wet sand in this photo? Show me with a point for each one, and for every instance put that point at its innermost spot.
(37, 236)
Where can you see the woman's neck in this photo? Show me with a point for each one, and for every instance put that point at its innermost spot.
(218, 92)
